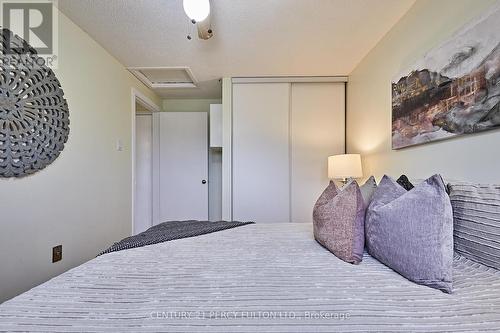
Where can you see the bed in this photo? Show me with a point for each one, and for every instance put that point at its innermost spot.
(259, 277)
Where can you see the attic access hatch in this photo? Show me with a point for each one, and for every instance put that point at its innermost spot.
(165, 77)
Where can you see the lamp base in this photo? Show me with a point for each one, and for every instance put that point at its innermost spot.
(346, 180)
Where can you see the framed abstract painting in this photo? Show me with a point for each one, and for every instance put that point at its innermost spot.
(453, 90)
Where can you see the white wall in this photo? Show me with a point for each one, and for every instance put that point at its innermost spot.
(189, 105)
(426, 25)
(83, 199)
(214, 155)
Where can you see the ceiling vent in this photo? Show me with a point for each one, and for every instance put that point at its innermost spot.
(165, 77)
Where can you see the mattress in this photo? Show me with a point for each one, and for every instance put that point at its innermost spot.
(261, 277)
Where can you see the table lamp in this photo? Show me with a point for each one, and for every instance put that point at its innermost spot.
(344, 167)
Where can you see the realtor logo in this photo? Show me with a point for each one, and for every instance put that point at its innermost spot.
(35, 21)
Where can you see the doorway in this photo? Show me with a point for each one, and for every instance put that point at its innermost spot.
(143, 178)
(171, 166)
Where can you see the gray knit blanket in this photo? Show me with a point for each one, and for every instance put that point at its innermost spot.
(168, 231)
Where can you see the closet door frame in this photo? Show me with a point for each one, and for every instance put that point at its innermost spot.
(227, 100)
(291, 79)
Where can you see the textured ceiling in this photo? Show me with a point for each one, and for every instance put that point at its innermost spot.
(251, 37)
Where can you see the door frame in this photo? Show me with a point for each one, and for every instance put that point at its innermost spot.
(148, 104)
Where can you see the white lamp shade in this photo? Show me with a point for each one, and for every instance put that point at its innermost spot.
(197, 10)
(344, 166)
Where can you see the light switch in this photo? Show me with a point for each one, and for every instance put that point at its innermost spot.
(119, 145)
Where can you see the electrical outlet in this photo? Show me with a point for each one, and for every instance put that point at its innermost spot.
(57, 253)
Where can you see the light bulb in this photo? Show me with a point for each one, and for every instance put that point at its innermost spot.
(197, 10)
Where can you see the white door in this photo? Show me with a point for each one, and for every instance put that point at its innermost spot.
(261, 163)
(183, 169)
(143, 173)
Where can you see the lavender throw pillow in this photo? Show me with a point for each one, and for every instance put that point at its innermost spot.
(338, 221)
(412, 231)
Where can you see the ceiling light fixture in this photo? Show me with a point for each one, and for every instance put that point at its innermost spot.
(197, 10)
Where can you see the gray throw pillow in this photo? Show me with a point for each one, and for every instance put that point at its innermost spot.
(412, 231)
(367, 190)
(338, 221)
(476, 212)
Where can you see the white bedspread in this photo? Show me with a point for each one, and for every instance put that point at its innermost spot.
(255, 278)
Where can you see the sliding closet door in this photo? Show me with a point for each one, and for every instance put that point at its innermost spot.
(317, 131)
(261, 165)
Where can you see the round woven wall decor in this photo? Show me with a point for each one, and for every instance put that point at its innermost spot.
(34, 116)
